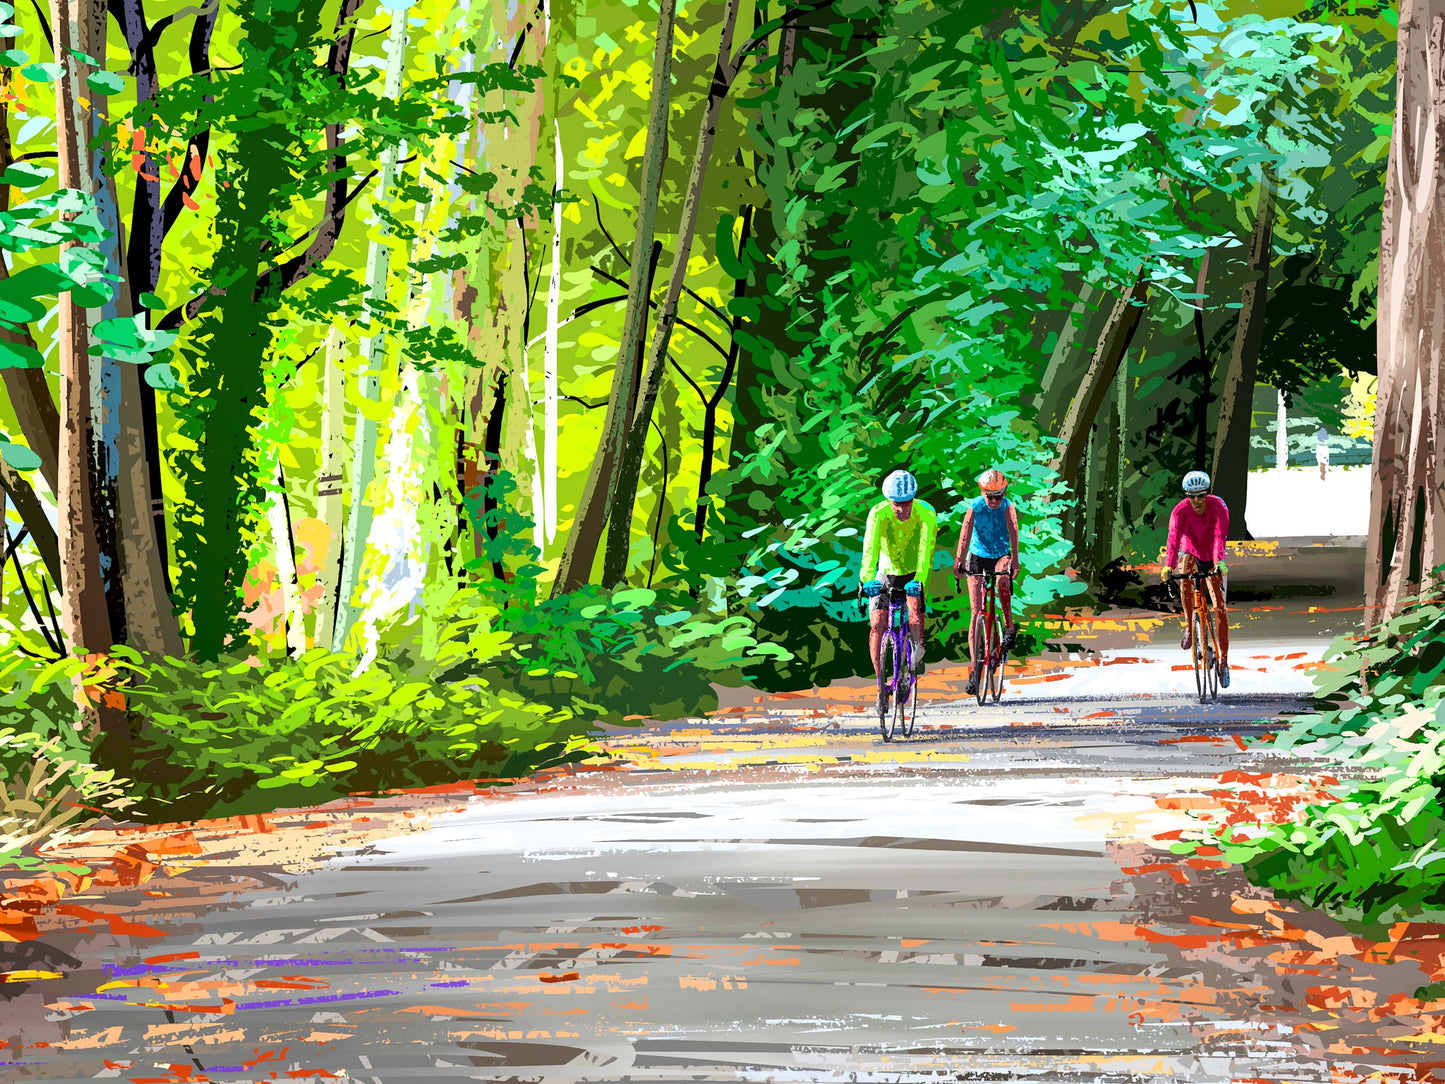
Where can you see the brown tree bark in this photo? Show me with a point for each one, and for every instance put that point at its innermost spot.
(1407, 508)
(592, 514)
(79, 28)
(1230, 469)
(28, 389)
(1114, 338)
(624, 497)
(13, 484)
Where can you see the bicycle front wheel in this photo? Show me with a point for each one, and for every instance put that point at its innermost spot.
(987, 645)
(1211, 657)
(886, 668)
(908, 706)
(1200, 651)
(997, 658)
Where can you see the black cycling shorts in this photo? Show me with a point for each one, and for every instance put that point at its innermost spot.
(896, 583)
(974, 565)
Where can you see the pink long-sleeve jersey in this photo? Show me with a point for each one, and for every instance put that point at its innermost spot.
(1199, 533)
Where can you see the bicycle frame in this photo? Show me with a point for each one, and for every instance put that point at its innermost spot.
(989, 654)
(895, 671)
(1204, 636)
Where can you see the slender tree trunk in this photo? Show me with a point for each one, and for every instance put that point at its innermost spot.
(330, 484)
(1053, 387)
(1236, 401)
(549, 351)
(32, 514)
(1122, 527)
(1407, 506)
(151, 619)
(28, 389)
(34, 408)
(1206, 368)
(710, 407)
(105, 379)
(79, 28)
(373, 349)
(1281, 435)
(1118, 332)
(283, 544)
(592, 513)
(634, 448)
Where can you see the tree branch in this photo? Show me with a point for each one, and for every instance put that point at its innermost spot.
(699, 332)
(626, 263)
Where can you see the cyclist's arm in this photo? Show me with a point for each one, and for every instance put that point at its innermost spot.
(1222, 532)
(872, 543)
(1171, 547)
(964, 536)
(1013, 533)
(928, 538)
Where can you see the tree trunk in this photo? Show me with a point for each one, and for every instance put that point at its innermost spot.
(709, 417)
(1122, 525)
(1114, 339)
(283, 544)
(1281, 435)
(549, 352)
(330, 484)
(79, 28)
(152, 627)
(1407, 509)
(1236, 402)
(1053, 388)
(619, 529)
(373, 349)
(1206, 368)
(581, 550)
(32, 514)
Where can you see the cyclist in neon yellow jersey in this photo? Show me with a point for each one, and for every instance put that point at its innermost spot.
(898, 550)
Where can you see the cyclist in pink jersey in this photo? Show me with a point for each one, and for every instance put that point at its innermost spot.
(1198, 527)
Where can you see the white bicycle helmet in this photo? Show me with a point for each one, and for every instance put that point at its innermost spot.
(900, 486)
(1196, 482)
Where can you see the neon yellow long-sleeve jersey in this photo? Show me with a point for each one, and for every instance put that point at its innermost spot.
(903, 546)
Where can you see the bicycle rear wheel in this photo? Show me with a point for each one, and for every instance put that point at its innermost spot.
(1198, 649)
(997, 659)
(885, 686)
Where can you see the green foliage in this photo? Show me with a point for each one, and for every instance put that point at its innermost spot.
(237, 737)
(1373, 857)
(47, 778)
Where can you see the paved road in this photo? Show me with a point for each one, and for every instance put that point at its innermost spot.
(770, 898)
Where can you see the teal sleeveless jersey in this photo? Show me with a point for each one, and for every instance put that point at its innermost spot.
(990, 529)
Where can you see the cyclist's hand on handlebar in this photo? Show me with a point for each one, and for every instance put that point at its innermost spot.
(1165, 575)
(959, 572)
(873, 588)
(913, 589)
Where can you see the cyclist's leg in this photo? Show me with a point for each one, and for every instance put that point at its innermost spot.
(1186, 566)
(915, 630)
(975, 625)
(1005, 584)
(877, 628)
(1215, 584)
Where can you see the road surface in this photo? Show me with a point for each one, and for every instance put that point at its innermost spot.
(774, 895)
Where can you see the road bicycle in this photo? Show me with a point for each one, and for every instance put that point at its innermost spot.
(994, 656)
(895, 668)
(1203, 637)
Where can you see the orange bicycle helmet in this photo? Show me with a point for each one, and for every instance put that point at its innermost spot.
(992, 481)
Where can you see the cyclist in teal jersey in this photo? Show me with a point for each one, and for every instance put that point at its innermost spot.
(989, 539)
(898, 548)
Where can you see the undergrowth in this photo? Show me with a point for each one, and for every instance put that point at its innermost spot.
(1372, 856)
